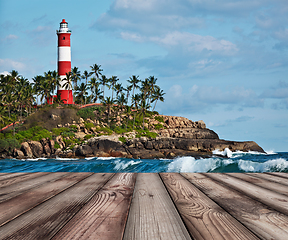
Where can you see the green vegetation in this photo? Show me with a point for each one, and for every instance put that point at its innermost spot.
(122, 139)
(8, 145)
(123, 108)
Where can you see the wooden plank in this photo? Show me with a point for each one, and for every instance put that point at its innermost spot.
(152, 214)
(269, 177)
(275, 200)
(21, 178)
(202, 216)
(275, 187)
(22, 203)
(45, 220)
(18, 188)
(280, 174)
(265, 222)
(10, 175)
(104, 217)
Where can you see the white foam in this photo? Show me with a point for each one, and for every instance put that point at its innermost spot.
(122, 166)
(190, 164)
(227, 152)
(278, 165)
(106, 158)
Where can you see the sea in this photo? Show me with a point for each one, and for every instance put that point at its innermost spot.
(223, 161)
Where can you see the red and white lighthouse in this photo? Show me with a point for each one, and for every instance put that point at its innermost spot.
(64, 62)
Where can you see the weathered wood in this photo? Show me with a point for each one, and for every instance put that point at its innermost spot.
(24, 202)
(152, 214)
(19, 179)
(203, 217)
(269, 177)
(280, 174)
(275, 187)
(268, 197)
(20, 187)
(45, 220)
(10, 175)
(265, 222)
(104, 217)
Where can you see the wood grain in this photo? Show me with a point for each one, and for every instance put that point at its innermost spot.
(24, 202)
(203, 217)
(275, 187)
(265, 222)
(280, 174)
(45, 220)
(272, 199)
(10, 175)
(19, 179)
(270, 177)
(104, 217)
(152, 214)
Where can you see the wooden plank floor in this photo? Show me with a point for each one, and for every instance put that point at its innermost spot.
(143, 206)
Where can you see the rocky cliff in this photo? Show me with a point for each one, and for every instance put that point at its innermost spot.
(177, 136)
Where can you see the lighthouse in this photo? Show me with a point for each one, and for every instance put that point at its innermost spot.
(64, 62)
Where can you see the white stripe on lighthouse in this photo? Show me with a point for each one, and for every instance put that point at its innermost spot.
(62, 82)
(64, 54)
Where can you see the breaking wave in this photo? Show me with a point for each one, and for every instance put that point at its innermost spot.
(236, 162)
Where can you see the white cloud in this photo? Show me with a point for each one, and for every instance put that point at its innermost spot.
(9, 64)
(198, 43)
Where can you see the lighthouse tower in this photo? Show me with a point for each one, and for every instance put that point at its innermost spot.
(64, 61)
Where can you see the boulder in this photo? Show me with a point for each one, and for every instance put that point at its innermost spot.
(18, 154)
(46, 146)
(36, 148)
(25, 148)
(60, 141)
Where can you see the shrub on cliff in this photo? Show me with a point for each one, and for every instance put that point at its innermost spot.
(34, 133)
(7, 145)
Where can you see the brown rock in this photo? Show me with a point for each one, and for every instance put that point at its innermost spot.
(25, 148)
(18, 154)
(36, 148)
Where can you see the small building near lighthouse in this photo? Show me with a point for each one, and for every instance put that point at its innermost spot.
(64, 62)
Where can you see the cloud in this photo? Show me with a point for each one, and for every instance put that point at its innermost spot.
(9, 65)
(205, 98)
(42, 35)
(9, 39)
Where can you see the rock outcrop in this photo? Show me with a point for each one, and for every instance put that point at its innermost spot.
(178, 136)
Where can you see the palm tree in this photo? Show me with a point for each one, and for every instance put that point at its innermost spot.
(134, 80)
(144, 107)
(118, 89)
(93, 84)
(68, 83)
(104, 82)
(122, 100)
(81, 92)
(157, 95)
(152, 86)
(113, 81)
(76, 75)
(97, 94)
(135, 102)
(108, 102)
(86, 75)
(96, 70)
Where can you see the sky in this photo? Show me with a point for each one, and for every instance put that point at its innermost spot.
(221, 61)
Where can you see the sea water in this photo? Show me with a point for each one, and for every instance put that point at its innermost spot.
(225, 161)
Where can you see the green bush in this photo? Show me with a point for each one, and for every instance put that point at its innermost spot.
(88, 112)
(88, 136)
(35, 133)
(108, 131)
(74, 128)
(159, 118)
(56, 145)
(158, 126)
(8, 144)
(58, 131)
(89, 125)
(122, 139)
(68, 134)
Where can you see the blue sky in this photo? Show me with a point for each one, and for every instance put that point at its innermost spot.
(223, 61)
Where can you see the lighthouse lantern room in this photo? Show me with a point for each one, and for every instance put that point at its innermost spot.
(64, 62)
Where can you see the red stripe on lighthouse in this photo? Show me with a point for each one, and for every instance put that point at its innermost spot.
(64, 39)
(64, 67)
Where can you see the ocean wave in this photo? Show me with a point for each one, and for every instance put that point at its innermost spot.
(275, 165)
(190, 164)
(122, 166)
